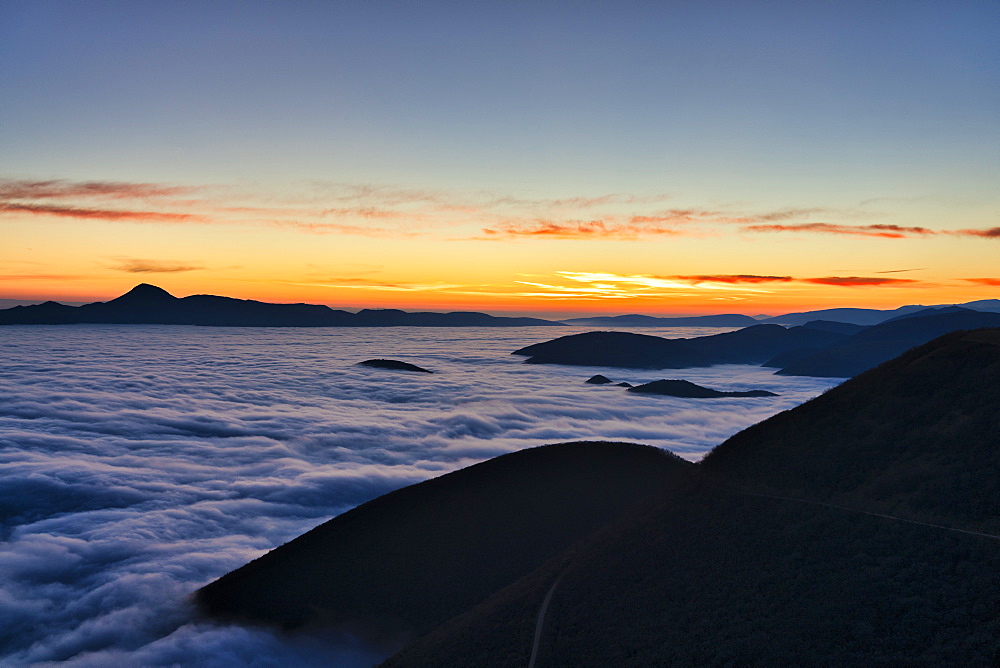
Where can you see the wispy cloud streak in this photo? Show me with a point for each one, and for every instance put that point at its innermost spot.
(617, 286)
(882, 231)
(140, 266)
(990, 233)
(735, 278)
(96, 214)
(856, 281)
(575, 230)
(62, 189)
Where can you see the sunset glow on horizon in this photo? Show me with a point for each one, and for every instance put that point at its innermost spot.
(661, 159)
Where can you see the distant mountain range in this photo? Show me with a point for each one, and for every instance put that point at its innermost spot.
(879, 343)
(817, 348)
(149, 305)
(867, 316)
(635, 320)
(856, 316)
(860, 528)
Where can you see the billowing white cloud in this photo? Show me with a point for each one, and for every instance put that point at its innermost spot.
(142, 462)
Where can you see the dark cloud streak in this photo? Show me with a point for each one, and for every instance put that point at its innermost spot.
(990, 233)
(881, 231)
(140, 266)
(63, 189)
(735, 278)
(857, 281)
(96, 214)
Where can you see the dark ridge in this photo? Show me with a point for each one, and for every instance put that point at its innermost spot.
(940, 310)
(751, 345)
(919, 434)
(616, 349)
(835, 533)
(635, 320)
(856, 316)
(687, 389)
(880, 343)
(47, 313)
(983, 305)
(395, 365)
(150, 305)
(411, 559)
(598, 380)
(832, 326)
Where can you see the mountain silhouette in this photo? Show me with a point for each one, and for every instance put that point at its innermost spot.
(880, 343)
(687, 389)
(144, 294)
(868, 316)
(750, 345)
(394, 365)
(149, 305)
(817, 348)
(941, 310)
(635, 320)
(856, 316)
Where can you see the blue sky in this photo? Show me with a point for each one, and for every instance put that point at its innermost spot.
(484, 92)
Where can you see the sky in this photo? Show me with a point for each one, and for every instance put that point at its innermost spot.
(546, 158)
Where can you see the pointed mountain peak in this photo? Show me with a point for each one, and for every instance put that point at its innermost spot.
(144, 292)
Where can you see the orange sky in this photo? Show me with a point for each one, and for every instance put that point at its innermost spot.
(365, 246)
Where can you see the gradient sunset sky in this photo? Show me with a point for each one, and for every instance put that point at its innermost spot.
(541, 157)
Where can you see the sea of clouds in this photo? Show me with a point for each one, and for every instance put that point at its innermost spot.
(141, 462)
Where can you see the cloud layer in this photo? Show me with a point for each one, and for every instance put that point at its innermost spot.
(387, 211)
(143, 462)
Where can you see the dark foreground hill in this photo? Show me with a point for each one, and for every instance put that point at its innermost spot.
(149, 305)
(750, 345)
(847, 531)
(410, 560)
